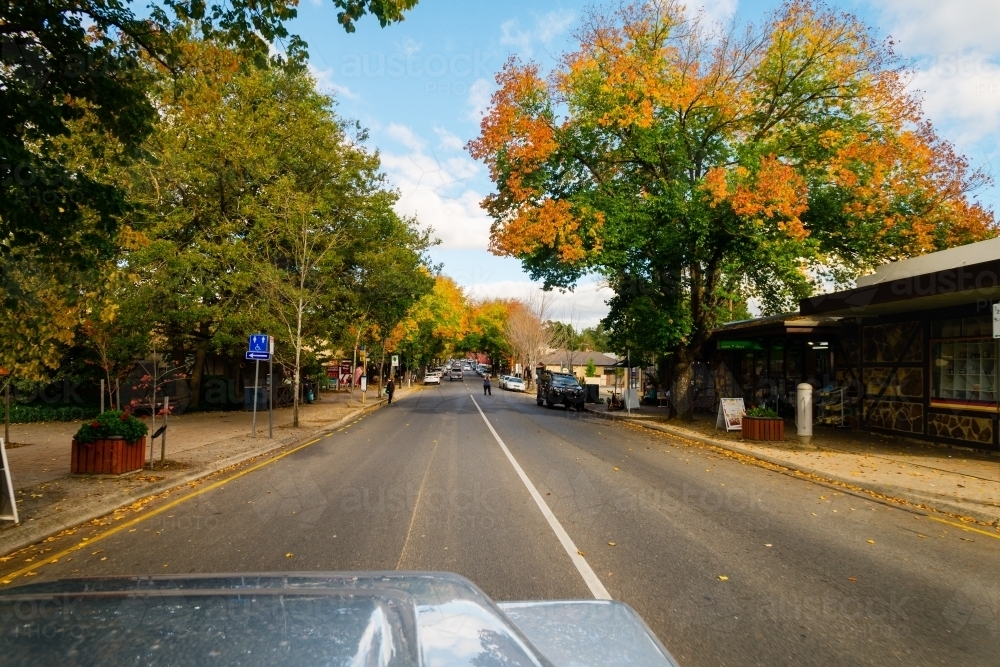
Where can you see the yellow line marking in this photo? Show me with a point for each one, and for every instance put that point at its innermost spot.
(964, 527)
(159, 510)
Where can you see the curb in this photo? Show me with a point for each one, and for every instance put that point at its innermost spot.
(37, 531)
(920, 501)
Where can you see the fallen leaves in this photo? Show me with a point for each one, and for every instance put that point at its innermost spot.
(581, 553)
(612, 544)
(723, 577)
(871, 541)
(616, 469)
(289, 554)
(852, 578)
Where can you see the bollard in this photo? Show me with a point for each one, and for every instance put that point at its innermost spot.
(804, 412)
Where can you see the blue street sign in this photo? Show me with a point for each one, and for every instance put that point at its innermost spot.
(259, 343)
(257, 356)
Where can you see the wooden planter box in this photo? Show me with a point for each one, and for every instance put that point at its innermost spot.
(763, 428)
(110, 457)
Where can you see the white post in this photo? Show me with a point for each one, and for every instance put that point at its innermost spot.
(256, 380)
(102, 396)
(804, 412)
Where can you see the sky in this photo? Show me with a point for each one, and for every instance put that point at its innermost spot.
(421, 86)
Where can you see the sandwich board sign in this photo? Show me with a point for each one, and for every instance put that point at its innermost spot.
(731, 411)
(996, 320)
(8, 501)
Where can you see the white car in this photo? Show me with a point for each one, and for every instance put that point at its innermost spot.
(502, 381)
(514, 383)
(432, 378)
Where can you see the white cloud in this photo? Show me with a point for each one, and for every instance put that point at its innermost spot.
(714, 11)
(940, 26)
(965, 94)
(436, 190)
(583, 307)
(479, 99)
(326, 84)
(448, 141)
(405, 136)
(546, 28)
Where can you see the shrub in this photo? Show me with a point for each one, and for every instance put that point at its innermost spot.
(762, 412)
(112, 423)
(24, 414)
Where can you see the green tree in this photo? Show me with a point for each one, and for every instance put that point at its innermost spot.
(62, 60)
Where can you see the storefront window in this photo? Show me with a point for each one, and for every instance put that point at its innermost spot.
(964, 372)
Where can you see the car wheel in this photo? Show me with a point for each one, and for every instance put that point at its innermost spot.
(538, 400)
(549, 404)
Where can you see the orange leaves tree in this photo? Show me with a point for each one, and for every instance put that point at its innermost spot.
(693, 167)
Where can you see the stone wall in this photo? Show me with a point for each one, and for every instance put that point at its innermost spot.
(895, 416)
(960, 427)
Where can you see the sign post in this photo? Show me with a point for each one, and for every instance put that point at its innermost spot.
(258, 349)
(7, 496)
(270, 387)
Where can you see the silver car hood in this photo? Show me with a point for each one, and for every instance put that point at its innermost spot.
(363, 619)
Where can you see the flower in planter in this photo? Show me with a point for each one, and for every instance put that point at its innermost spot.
(109, 424)
(762, 413)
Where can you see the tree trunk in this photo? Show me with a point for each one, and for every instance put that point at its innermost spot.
(200, 352)
(298, 366)
(683, 373)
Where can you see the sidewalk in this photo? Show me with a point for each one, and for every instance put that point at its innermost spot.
(953, 481)
(50, 499)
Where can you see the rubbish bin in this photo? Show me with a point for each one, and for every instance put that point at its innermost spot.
(593, 393)
(248, 393)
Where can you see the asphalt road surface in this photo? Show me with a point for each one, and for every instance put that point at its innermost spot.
(728, 562)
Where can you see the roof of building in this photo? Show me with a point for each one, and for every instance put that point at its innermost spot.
(580, 358)
(952, 258)
(953, 277)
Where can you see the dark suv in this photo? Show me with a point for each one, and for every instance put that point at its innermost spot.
(562, 388)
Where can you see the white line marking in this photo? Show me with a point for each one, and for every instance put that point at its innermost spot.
(589, 577)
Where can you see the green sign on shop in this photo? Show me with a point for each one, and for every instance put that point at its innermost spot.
(739, 345)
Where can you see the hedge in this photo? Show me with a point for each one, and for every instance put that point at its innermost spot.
(23, 414)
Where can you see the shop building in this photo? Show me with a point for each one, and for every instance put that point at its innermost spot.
(912, 350)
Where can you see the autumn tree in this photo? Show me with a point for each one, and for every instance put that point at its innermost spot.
(435, 324)
(486, 332)
(527, 332)
(692, 168)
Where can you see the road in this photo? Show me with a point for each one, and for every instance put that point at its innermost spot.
(728, 562)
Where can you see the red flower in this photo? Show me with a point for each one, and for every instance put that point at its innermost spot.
(95, 424)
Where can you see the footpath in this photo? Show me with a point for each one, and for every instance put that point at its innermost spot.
(50, 499)
(962, 483)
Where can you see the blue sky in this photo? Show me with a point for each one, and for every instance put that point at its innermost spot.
(420, 87)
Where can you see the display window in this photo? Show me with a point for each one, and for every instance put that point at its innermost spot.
(964, 364)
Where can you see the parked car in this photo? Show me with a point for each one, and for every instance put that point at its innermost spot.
(502, 381)
(514, 383)
(554, 388)
(432, 378)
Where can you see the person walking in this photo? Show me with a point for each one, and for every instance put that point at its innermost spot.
(487, 388)
(390, 389)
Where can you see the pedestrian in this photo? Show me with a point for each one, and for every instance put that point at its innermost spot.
(487, 389)
(390, 389)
